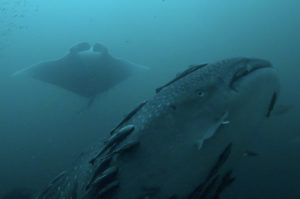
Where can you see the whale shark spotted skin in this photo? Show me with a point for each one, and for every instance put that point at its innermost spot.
(181, 144)
(85, 70)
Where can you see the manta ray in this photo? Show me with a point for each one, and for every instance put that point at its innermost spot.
(183, 143)
(85, 70)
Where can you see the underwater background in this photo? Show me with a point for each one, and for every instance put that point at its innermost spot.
(41, 132)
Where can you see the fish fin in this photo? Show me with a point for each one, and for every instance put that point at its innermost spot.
(211, 131)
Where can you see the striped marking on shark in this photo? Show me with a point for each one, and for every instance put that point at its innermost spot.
(181, 144)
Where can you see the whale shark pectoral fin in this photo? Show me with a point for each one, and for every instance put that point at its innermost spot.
(80, 47)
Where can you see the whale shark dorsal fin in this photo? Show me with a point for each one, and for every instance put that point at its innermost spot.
(100, 48)
(80, 47)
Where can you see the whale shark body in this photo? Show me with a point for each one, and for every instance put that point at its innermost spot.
(85, 70)
(181, 144)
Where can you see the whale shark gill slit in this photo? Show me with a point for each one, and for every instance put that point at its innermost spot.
(272, 104)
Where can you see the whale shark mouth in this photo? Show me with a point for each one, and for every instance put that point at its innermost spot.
(250, 68)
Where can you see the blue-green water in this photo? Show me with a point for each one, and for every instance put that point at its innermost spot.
(40, 130)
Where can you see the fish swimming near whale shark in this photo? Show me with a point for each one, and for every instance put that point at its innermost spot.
(183, 143)
(85, 70)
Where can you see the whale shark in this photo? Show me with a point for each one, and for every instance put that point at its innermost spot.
(183, 143)
(86, 70)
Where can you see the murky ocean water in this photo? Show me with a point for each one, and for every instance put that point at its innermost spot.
(41, 129)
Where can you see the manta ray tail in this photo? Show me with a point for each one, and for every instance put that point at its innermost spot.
(88, 105)
(91, 102)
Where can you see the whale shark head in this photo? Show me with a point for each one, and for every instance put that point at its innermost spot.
(239, 91)
(211, 90)
(198, 126)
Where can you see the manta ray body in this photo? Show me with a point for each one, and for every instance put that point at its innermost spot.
(85, 70)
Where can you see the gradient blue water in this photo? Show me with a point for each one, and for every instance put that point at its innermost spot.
(40, 132)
